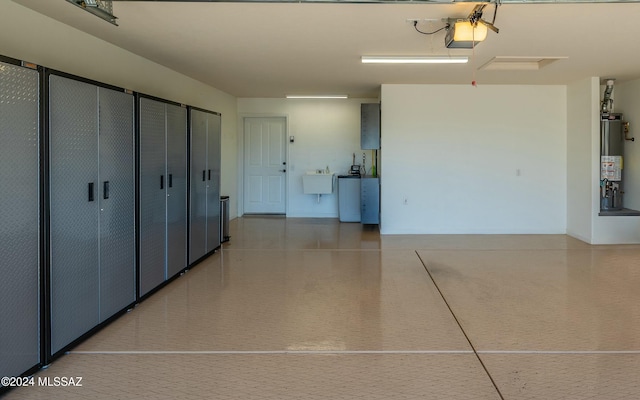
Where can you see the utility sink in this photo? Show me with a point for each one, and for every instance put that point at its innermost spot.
(314, 182)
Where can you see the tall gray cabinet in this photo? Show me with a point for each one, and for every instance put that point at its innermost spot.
(370, 126)
(92, 203)
(163, 191)
(369, 200)
(19, 219)
(204, 216)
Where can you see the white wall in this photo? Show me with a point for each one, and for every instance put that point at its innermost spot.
(454, 153)
(582, 125)
(30, 36)
(327, 132)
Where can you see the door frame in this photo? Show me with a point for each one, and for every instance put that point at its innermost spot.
(241, 157)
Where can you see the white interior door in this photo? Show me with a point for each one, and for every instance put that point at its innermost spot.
(264, 165)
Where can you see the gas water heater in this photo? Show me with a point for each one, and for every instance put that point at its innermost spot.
(613, 131)
(611, 161)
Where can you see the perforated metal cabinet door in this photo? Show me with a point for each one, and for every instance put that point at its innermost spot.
(370, 200)
(176, 189)
(153, 183)
(117, 202)
(213, 189)
(19, 311)
(74, 216)
(198, 209)
(369, 126)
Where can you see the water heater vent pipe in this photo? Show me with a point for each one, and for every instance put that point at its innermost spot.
(607, 102)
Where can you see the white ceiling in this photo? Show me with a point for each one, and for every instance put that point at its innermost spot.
(273, 49)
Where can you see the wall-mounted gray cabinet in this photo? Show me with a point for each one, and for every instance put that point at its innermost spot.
(92, 226)
(204, 216)
(370, 126)
(19, 219)
(163, 191)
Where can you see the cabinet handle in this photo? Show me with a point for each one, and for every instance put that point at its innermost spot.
(91, 193)
(170, 180)
(209, 174)
(204, 176)
(161, 181)
(105, 190)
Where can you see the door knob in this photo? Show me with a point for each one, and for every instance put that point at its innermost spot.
(284, 163)
(283, 170)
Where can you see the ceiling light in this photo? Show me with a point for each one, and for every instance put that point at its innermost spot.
(100, 8)
(320, 96)
(464, 35)
(414, 60)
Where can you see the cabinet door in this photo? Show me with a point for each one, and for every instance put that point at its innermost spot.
(117, 202)
(74, 194)
(176, 189)
(369, 126)
(370, 200)
(19, 211)
(153, 183)
(198, 209)
(213, 182)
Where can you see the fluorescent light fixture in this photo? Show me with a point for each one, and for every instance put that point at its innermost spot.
(319, 96)
(414, 60)
(100, 8)
(463, 35)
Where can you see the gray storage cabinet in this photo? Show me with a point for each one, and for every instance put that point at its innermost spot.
(163, 191)
(370, 126)
(92, 225)
(204, 208)
(370, 200)
(349, 209)
(19, 219)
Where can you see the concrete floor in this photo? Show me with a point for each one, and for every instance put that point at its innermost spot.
(316, 309)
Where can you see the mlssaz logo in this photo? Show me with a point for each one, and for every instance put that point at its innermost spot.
(60, 381)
